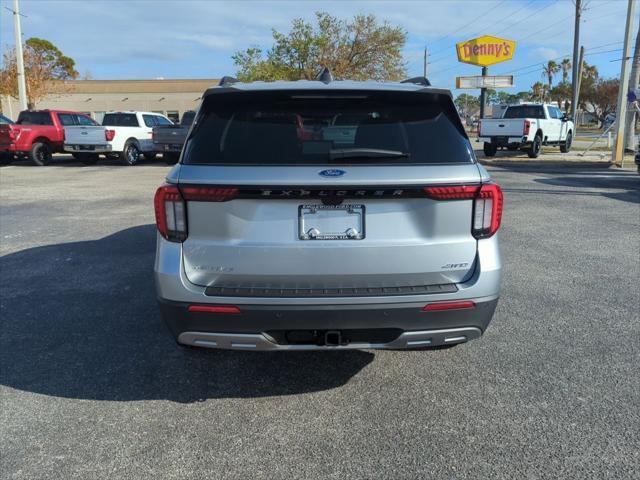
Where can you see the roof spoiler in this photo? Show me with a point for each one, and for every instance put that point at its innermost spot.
(227, 80)
(418, 81)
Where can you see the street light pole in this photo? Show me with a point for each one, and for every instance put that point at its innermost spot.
(617, 155)
(22, 85)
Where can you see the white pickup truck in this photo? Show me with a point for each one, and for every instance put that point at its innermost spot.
(526, 127)
(126, 135)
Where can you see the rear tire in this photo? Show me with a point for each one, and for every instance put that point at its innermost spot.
(536, 146)
(41, 154)
(130, 154)
(566, 146)
(489, 149)
(88, 158)
(171, 158)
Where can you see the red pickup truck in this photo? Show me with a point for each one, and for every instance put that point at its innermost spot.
(37, 134)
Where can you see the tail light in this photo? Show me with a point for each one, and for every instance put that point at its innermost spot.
(109, 135)
(479, 123)
(487, 211)
(526, 128)
(171, 215)
(487, 204)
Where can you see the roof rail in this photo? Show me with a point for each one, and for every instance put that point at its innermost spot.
(418, 81)
(227, 80)
(324, 75)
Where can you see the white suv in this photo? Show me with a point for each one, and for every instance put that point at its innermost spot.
(130, 134)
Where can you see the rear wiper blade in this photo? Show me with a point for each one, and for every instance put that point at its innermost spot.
(365, 153)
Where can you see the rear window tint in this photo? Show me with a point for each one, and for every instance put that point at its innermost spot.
(348, 127)
(35, 118)
(120, 120)
(524, 111)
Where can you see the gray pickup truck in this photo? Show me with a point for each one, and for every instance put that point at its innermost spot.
(169, 139)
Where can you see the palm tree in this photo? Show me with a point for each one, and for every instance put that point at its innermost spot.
(549, 70)
(565, 66)
(589, 71)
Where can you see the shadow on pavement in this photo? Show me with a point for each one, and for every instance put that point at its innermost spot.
(79, 320)
(618, 186)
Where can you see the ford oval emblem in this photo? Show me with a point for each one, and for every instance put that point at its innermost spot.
(332, 172)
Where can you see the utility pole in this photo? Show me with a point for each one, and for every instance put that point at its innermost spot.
(577, 97)
(617, 155)
(22, 86)
(576, 62)
(634, 83)
(424, 63)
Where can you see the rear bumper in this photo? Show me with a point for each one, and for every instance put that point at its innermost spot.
(167, 148)
(281, 327)
(262, 342)
(504, 141)
(369, 322)
(103, 148)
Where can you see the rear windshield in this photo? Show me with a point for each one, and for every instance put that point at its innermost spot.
(524, 111)
(120, 120)
(303, 127)
(35, 118)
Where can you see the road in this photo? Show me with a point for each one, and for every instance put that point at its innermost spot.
(93, 386)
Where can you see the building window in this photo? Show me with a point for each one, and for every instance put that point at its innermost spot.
(173, 116)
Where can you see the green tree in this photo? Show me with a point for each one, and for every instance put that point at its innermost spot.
(44, 64)
(358, 49)
(467, 104)
(561, 93)
(549, 70)
(565, 67)
(600, 98)
(537, 92)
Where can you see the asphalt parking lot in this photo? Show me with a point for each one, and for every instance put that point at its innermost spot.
(93, 386)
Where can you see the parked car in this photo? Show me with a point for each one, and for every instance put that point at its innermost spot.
(88, 141)
(5, 157)
(526, 127)
(130, 134)
(637, 160)
(38, 134)
(271, 241)
(169, 139)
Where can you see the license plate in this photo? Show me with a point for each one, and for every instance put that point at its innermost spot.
(87, 147)
(331, 222)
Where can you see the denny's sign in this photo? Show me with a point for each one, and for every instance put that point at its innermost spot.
(486, 50)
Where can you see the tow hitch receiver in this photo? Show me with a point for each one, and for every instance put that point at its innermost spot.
(332, 338)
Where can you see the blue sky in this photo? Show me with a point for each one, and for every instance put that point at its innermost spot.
(139, 39)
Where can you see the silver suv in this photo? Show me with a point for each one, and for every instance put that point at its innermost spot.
(327, 215)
